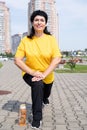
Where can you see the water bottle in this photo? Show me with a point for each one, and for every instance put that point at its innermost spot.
(22, 115)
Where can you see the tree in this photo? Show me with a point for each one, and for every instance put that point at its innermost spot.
(72, 63)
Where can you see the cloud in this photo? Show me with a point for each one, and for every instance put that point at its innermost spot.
(17, 4)
(72, 23)
(73, 10)
(18, 28)
(18, 13)
(72, 17)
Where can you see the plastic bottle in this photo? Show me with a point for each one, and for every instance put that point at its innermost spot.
(22, 115)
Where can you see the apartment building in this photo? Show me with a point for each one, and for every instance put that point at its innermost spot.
(15, 42)
(49, 6)
(16, 38)
(5, 37)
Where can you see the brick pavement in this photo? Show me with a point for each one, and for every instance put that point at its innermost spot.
(68, 101)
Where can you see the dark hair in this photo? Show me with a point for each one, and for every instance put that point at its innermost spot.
(33, 15)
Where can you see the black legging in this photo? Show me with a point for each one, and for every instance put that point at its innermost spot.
(39, 91)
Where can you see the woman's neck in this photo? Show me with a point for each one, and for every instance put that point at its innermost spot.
(39, 34)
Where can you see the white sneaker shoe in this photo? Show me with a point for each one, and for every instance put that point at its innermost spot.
(36, 125)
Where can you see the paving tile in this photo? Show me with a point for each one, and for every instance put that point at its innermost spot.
(85, 127)
(61, 127)
(2, 118)
(68, 101)
(75, 128)
(6, 126)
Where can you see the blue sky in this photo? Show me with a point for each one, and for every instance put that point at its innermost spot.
(72, 21)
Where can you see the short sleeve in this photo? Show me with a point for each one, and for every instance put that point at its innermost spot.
(55, 48)
(20, 52)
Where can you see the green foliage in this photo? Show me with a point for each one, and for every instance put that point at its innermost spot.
(71, 64)
(7, 55)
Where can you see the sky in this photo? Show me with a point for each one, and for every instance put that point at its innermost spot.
(72, 21)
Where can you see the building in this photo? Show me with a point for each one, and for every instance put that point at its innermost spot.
(5, 36)
(49, 6)
(16, 40)
(24, 34)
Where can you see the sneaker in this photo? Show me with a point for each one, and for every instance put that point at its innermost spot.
(36, 124)
(46, 101)
(40, 122)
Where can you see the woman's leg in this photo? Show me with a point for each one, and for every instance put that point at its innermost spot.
(37, 96)
(46, 92)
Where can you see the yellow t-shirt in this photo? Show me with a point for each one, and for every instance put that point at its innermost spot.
(39, 52)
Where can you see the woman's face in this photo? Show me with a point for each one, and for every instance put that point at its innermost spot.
(39, 23)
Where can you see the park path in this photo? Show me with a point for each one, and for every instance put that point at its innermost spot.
(68, 101)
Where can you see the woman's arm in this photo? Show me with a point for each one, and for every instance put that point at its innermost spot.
(52, 66)
(54, 63)
(20, 63)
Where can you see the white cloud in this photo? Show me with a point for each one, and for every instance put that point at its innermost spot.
(18, 13)
(72, 23)
(18, 28)
(17, 4)
(72, 11)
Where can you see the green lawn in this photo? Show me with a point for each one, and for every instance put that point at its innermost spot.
(77, 69)
(0, 64)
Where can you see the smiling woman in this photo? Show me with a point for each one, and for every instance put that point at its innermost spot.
(42, 56)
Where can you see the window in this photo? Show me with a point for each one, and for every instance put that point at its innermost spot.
(47, 6)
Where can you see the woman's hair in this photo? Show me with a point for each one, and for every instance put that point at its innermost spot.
(34, 14)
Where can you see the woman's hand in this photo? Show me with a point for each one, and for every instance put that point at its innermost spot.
(38, 76)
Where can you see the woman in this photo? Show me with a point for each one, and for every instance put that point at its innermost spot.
(42, 56)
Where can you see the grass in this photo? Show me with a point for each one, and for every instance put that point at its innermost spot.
(77, 69)
(1, 65)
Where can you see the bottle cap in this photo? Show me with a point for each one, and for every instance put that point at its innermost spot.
(22, 106)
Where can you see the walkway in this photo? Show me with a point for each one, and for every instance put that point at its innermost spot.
(68, 101)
